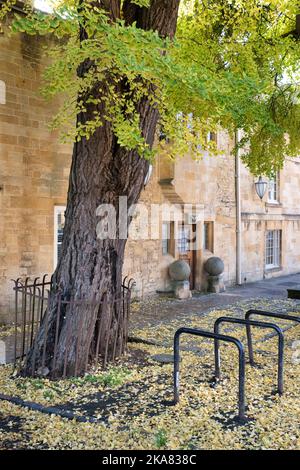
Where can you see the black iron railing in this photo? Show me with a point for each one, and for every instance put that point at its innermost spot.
(32, 301)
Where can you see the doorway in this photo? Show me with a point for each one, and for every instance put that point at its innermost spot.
(186, 247)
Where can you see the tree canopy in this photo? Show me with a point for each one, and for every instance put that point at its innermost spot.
(233, 64)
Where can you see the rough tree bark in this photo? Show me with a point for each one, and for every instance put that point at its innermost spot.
(90, 268)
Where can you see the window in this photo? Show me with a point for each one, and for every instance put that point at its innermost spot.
(273, 189)
(183, 242)
(273, 249)
(212, 137)
(59, 223)
(208, 236)
(165, 238)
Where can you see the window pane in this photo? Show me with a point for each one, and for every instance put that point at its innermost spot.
(165, 237)
(183, 240)
(273, 188)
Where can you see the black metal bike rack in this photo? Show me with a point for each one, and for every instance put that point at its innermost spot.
(264, 313)
(219, 337)
(248, 323)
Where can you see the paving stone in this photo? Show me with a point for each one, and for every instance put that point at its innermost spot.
(163, 358)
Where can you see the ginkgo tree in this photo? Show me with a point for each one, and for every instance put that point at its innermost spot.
(126, 69)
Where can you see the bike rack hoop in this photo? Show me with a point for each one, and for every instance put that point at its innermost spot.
(248, 323)
(219, 337)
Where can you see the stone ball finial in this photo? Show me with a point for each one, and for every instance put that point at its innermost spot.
(179, 270)
(214, 266)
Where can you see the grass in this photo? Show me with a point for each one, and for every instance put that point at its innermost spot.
(161, 438)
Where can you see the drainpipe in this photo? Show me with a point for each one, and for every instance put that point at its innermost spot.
(238, 212)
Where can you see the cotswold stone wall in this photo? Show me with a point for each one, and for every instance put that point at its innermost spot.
(259, 216)
(34, 169)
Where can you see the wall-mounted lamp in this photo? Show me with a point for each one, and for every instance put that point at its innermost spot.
(261, 187)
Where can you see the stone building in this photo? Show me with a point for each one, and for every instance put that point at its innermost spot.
(34, 170)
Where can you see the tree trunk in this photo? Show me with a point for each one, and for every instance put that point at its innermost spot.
(90, 269)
